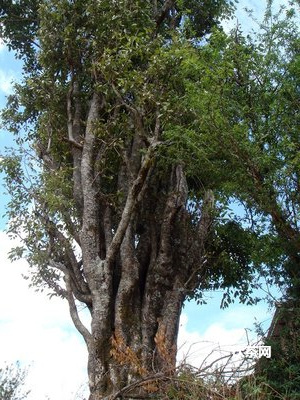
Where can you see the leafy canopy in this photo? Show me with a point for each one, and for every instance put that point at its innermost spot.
(227, 109)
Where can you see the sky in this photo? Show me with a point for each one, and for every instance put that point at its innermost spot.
(39, 333)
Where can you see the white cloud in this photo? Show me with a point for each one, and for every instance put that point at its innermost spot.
(38, 331)
(6, 81)
(219, 345)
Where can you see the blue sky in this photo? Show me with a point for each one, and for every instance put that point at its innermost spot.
(10, 70)
(37, 331)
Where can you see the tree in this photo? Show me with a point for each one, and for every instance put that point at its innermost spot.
(12, 379)
(252, 126)
(107, 218)
(138, 131)
(249, 121)
(281, 372)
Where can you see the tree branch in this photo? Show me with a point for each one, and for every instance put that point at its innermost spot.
(73, 120)
(134, 195)
(73, 268)
(74, 314)
(162, 14)
(204, 227)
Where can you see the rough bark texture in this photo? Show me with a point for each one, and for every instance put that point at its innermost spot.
(138, 258)
(139, 251)
(138, 261)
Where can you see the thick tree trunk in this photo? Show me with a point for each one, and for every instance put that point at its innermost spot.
(135, 321)
(135, 351)
(141, 252)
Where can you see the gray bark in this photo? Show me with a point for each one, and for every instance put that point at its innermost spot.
(139, 258)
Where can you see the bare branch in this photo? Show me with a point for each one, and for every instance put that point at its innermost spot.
(134, 385)
(55, 286)
(73, 92)
(129, 107)
(83, 296)
(73, 143)
(59, 266)
(134, 195)
(71, 265)
(74, 315)
(163, 12)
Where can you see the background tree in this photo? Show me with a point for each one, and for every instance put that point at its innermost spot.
(248, 122)
(12, 379)
(244, 97)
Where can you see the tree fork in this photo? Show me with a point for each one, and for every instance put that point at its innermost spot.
(138, 336)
